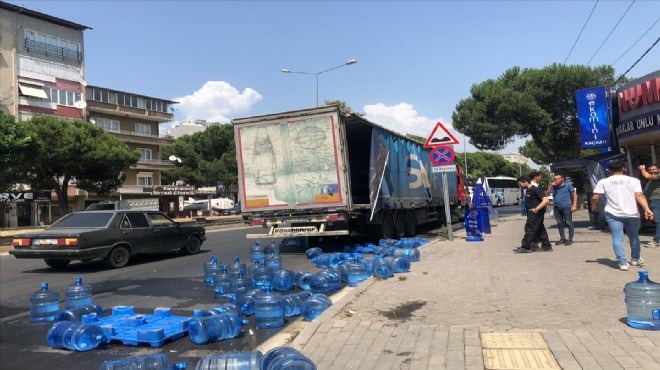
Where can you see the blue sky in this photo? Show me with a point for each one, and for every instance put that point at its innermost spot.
(416, 59)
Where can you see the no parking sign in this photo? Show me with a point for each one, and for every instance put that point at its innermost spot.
(442, 155)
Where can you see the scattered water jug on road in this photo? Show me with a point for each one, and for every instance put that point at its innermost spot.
(257, 253)
(76, 314)
(231, 361)
(303, 278)
(213, 328)
(356, 271)
(155, 361)
(223, 284)
(262, 275)
(286, 357)
(291, 303)
(313, 252)
(283, 280)
(327, 260)
(643, 303)
(325, 281)
(212, 267)
(314, 306)
(78, 294)
(246, 303)
(76, 336)
(399, 264)
(237, 267)
(268, 309)
(44, 304)
(381, 268)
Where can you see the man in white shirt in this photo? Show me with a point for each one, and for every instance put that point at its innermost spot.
(621, 212)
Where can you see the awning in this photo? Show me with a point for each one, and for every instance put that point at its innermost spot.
(33, 91)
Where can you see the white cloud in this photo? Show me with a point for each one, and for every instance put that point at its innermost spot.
(216, 101)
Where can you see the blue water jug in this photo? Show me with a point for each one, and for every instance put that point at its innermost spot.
(303, 278)
(154, 361)
(283, 280)
(327, 260)
(273, 248)
(325, 281)
(342, 271)
(208, 329)
(257, 253)
(262, 275)
(231, 361)
(381, 268)
(313, 252)
(274, 261)
(44, 304)
(240, 285)
(314, 306)
(369, 262)
(291, 303)
(220, 310)
(268, 310)
(237, 267)
(286, 357)
(222, 284)
(399, 264)
(388, 242)
(356, 271)
(76, 336)
(246, 303)
(212, 267)
(382, 251)
(643, 303)
(76, 314)
(78, 294)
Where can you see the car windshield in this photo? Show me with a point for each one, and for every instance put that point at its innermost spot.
(87, 219)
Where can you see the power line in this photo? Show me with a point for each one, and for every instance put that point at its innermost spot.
(634, 64)
(633, 45)
(610, 34)
(580, 34)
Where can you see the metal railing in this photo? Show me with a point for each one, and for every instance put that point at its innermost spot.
(53, 50)
(133, 133)
(156, 162)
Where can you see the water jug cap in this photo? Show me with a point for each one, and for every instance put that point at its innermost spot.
(78, 279)
(44, 286)
(236, 259)
(643, 274)
(181, 365)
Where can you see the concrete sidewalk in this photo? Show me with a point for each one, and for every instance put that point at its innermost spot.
(479, 305)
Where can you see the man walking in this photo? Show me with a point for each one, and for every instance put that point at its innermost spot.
(621, 212)
(652, 194)
(565, 204)
(536, 202)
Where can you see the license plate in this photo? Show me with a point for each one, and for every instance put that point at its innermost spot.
(302, 229)
(44, 241)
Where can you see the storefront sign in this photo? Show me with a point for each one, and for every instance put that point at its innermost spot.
(639, 107)
(170, 190)
(25, 197)
(593, 117)
(639, 95)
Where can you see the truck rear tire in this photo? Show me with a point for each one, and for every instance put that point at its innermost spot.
(411, 224)
(387, 226)
(400, 224)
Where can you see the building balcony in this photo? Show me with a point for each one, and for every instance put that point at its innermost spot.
(153, 164)
(94, 106)
(141, 138)
(32, 45)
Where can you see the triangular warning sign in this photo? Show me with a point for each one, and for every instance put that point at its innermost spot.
(440, 136)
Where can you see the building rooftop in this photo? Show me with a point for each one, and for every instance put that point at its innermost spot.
(42, 16)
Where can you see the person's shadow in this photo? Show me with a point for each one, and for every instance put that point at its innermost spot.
(605, 262)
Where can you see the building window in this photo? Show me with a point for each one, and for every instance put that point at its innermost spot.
(52, 45)
(62, 97)
(107, 124)
(37, 68)
(145, 179)
(145, 154)
(143, 128)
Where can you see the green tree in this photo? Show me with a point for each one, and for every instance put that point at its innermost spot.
(207, 157)
(16, 145)
(535, 102)
(482, 164)
(343, 106)
(68, 151)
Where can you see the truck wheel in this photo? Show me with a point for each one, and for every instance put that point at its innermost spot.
(411, 223)
(400, 224)
(192, 246)
(118, 257)
(387, 226)
(57, 264)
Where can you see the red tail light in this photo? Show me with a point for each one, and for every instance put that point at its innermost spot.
(336, 217)
(257, 221)
(67, 241)
(21, 242)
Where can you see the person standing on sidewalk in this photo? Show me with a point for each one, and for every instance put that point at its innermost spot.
(652, 194)
(621, 212)
(565, 204)
(536, 202)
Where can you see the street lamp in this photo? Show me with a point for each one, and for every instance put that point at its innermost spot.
(284, 70)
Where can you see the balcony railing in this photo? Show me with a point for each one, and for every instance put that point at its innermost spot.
(133, 133)
(53, 50)
(155, 162)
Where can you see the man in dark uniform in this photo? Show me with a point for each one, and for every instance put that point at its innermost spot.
(536, 201)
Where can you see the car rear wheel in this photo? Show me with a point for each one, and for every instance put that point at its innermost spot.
(192, 246)
(56, 263)
(118, 257)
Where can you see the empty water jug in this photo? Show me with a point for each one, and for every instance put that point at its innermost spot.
(274, 261)
(291, 303)
(154, 361)
(342, 271)
(327, 260)
(220, 310)
(213, 328)
(211, 268)
(76, 336)
(222, 284)
(313, 252)
(369, 262)
(262, 275)
(273, 248)
(382, 251)
(240, 285)
(283, 280)
(44, 304)
(78, 294)
(231, 361)
(303, 278)
(643, 303)
(257, 253)
(237, 267)
(268, 310)
(246, 303)
(325, 281)
(356, 271)
(76, 314)
(286, 357)
(314, 306)
(381, 268)
(399, 264)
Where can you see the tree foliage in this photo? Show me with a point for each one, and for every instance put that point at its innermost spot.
(207, 157)
(343, 106)
(535, 102)
(67, 151)
(16, 145)
(480, 164)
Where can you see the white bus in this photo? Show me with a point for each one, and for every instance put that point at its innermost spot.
(502, 190)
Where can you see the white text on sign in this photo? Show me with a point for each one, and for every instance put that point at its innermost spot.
(448, 168)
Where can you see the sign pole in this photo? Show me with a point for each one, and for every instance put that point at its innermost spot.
(445, 191)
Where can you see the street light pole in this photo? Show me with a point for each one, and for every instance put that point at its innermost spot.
(317, 74)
